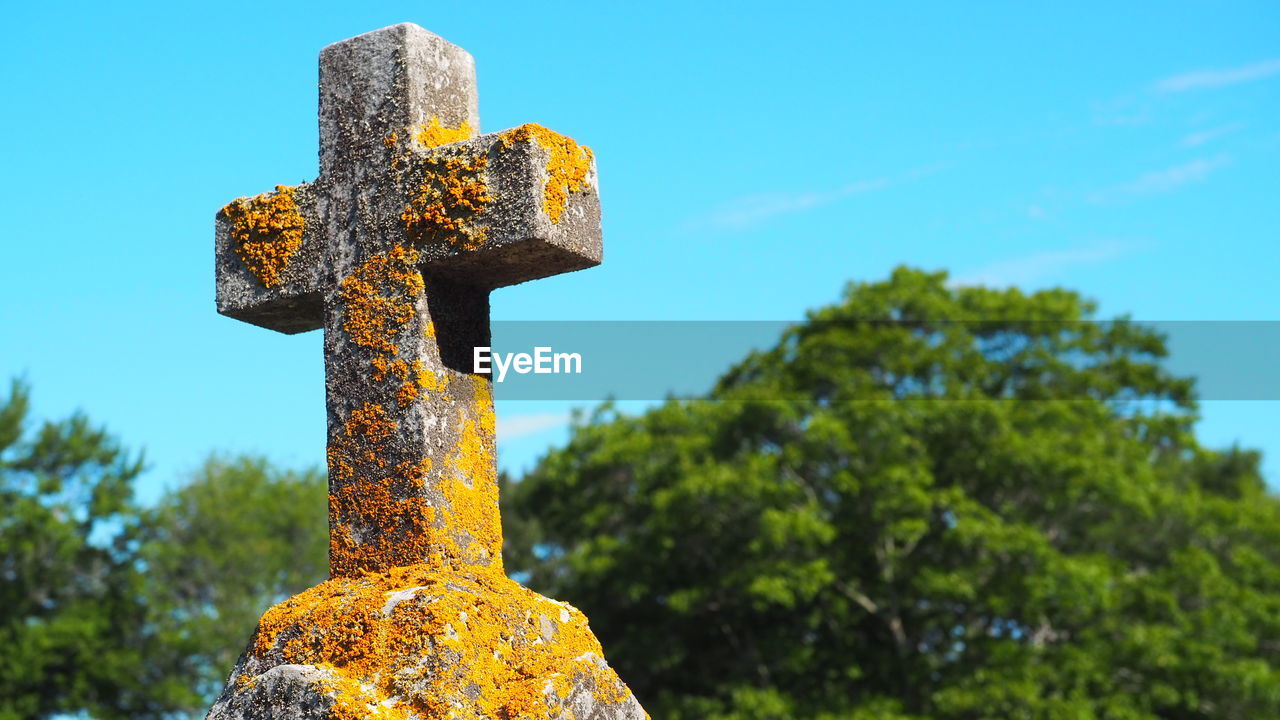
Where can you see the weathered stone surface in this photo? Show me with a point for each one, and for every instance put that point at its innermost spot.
(465, 644)
(393, 251)
(284, 692)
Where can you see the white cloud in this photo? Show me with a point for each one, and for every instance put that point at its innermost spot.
(1029, 268)
(1130, 110)
(517, 426)
(1201, 79)
(1162, 181)
(751, 210)
(1201, 137)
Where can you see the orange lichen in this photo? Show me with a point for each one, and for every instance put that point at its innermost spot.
(414, 377)
(379, 298)
(433, 134)
(383, 367)
(407, 393)
(370, 422)
(399, 524)
(411, 389)
(439, 643)
(267, 232)
(388, 504)
(567, 168)
(389, 141)
(450, 196)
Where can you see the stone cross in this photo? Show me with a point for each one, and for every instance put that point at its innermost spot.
(393, 251)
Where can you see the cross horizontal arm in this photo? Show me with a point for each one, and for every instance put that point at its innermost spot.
(270, 252)
(496, 210)
(502, 208)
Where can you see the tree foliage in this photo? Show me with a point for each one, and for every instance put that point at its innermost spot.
(112, 611)
(925, 502)
(69, 593)
(238, 537)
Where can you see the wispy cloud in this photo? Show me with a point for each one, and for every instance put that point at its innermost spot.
(1215, 78)
(516, 426)
(1196, 139)
(1129, 110)
(1030, 268)
(752, 210)
(1162, 181)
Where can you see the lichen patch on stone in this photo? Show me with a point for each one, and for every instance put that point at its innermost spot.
(266, 231)
(470, 486)
(379, 298)
(451, 193)
(433, 134)
(567, 168)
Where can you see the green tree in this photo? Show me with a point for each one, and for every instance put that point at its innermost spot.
(238, 537)
(111, 611)
(925, 502)
(69, 592)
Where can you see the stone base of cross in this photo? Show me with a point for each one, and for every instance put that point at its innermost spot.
(393, 251)
(424, 642)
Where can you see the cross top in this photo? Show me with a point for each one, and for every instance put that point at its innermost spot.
(393, 250)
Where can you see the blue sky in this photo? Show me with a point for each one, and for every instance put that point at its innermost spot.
(752, 160)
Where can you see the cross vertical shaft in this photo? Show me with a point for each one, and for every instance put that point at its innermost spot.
(411, 455)
(393, 250)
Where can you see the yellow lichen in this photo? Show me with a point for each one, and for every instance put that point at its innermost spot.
(422, 380)
(470, 486)
(266, 231)
(397, 524)
(567, 168)
(353, 701)
(450, 196)
(433, 134)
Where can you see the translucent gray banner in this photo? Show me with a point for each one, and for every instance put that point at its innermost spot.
(651, 360)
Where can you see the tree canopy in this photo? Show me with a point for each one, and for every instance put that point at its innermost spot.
(238, 537)
(70, 604)
(926, 501)
(115, 611)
